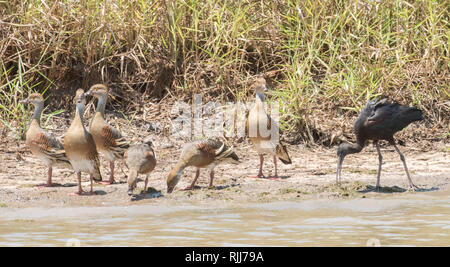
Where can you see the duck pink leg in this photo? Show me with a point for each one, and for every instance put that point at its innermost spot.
(145, 187)
(275, 177)
(197, 174)
(91, 177)
(49, 179)
(211, 177)
(260, 173)
(111, 176)
(80, 189)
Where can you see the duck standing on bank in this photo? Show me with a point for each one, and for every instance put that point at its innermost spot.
(80, 146)
(108, 140)
(201, 154)
(43, 145)
(264, 143)
(140, 159)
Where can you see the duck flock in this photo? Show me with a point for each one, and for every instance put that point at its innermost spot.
(378, 120)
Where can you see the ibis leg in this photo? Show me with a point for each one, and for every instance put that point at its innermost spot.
(411, 184)
(380, 161)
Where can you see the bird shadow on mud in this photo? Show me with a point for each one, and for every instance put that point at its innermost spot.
(214, 187)
(271, 177)
(99, 192)
(394, 189)
(222, 187)
(56, 185)
(151, 193)
(282, 177)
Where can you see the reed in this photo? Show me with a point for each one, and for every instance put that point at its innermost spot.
(323, 59)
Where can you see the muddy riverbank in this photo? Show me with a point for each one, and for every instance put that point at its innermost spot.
(310, 176)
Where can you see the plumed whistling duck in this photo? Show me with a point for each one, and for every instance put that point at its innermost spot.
(257, 118)
(43, 145)
(201, 154)
(140, 159)
(80, 146)
(109, 140)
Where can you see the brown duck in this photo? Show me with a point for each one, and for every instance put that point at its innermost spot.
(43, 145)
(140, 159)
(201, 154)
(263, 143)
(80, 146)
(108, 140)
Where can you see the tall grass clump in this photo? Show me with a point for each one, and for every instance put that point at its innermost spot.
(323, 59)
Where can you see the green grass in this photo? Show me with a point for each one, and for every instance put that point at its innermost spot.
(319, 57)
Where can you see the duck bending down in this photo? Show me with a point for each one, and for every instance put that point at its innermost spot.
(43, 145)
(140, 159)
(80, 146)
(264, 143)
(108, 140)
(379, 120)
(201, 154)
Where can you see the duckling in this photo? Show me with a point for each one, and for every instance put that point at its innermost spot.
(43, 145)
(108, 140)
(264, 145)
(140, 159)
(201, 154)
(80, 146)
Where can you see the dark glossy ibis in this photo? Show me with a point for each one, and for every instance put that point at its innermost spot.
(379, 120)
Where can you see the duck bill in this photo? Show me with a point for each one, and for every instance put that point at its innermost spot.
(80, 98)
(24, 101)
(171, 185)
(174, 178)
(169, 190)
(131, 181)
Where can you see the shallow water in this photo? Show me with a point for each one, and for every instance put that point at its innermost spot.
(419, 219)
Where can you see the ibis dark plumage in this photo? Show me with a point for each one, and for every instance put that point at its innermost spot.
(379, 120)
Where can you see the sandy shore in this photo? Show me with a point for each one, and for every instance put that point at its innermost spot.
(310, 176)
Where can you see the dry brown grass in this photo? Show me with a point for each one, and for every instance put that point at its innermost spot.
(323, 59)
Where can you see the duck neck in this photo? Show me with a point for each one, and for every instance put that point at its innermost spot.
(79, 114)
(259, 101)
(179, 167)
(175, 175)
(260, 97)
(101, 105)
(37, 113)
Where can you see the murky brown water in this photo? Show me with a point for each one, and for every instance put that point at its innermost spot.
(420, 219)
